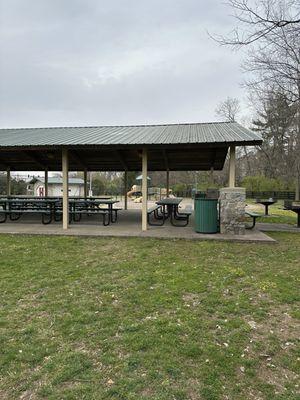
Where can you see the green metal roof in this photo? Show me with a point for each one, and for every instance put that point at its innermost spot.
(177, 147)
(197, 133)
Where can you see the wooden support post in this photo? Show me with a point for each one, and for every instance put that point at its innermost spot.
(212, 176)
(91, 184)
(232, 167)
(65, 173)
(125, 189)
(46, 183)
(144, 189)
(85, 187)
(168, 182)
(8, 182)
(297, 187)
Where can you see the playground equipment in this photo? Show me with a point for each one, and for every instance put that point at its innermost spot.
(135, 193)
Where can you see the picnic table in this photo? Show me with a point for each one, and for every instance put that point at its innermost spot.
(51, 208)
(291, 206)
(77, 206)
(169, 208)
(14, 208)
(266, 203)
(170, 205)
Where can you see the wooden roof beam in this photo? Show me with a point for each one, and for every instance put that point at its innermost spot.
(74, 155)
(165, 156)
(4, 164)
(213, 159)
(120, 157)
(35, 159)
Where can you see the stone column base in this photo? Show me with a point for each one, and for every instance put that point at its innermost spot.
(232, 210)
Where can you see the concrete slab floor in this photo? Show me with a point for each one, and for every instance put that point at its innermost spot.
(128, 225)
(271, 227)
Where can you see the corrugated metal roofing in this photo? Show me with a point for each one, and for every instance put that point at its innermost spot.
(214, 132)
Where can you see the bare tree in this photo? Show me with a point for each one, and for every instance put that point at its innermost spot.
(228, 109)
(270, 29)
(260, 20)
(275, 65)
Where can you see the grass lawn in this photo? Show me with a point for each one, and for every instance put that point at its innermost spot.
(103, 318)
(276, 213)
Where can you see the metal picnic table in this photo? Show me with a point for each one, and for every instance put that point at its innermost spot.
(289, 205)
(94, 204)
(266, 203)
(51, 208)
(170, 206)
(15, 207)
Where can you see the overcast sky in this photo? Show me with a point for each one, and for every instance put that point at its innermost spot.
(98, 62)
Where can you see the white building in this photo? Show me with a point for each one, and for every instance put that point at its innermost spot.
(36, 187)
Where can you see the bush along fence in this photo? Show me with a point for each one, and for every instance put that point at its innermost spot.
(277, 195)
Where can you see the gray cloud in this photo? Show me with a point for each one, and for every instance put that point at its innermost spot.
(93, 62)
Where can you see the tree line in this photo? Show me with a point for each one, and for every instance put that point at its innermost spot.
(269, 31)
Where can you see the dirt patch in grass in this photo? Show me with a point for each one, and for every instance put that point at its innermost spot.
(278, 322)
(278, 377)
(28, 395)
(273, 340)
(191, 299)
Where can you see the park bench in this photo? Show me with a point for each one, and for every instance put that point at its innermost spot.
(254, 216)
(75, 215)
(79, 208)
(114, 216)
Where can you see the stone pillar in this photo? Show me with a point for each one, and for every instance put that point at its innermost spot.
(232, 210)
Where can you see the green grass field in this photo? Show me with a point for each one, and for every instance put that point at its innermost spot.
(85, 318)
(276, 213)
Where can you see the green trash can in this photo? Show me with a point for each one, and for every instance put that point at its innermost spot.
(206, 215)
